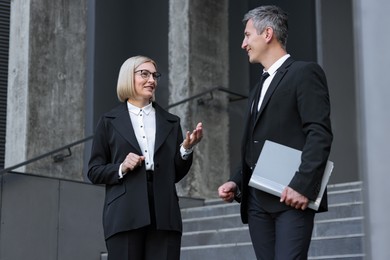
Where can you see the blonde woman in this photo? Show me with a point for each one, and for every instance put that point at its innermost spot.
(138, 152)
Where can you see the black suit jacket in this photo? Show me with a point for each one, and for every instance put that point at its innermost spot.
(295, 112)
(126, 202)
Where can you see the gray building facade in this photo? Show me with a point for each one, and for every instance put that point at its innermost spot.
(58, 72)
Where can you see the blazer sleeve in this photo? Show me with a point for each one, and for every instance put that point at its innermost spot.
(314, 109)
(101, 170)
(237, 176)
(182, 166)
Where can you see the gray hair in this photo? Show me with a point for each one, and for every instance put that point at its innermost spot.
(270, 16)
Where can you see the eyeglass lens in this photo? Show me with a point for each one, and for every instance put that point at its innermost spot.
(145, 74)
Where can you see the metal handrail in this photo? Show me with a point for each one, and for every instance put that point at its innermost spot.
(5, 170)
(240, 96)
(61, 157)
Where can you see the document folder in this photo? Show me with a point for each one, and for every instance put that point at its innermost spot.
(276, 167)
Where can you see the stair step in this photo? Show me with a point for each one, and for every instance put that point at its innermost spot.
(346, 209)
(221, 236)
(344, 196)
(342, 210)
(189, 202)
(336, 227)
(337, 245)
(209, 211)
(231, 251)
(214, 222)
(345, 186)
(338, 257)
(215, 230)
(338, 196)
(322, 228)
(334, 247)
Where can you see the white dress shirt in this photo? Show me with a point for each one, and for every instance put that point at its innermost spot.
(144, 125)
(271, 71)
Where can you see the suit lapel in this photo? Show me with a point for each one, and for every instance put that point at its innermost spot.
(255, 93)
(163, 126)
(122, 123)
(248, 125)
(274, 85)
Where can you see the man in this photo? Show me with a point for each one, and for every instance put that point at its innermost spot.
(293, 110)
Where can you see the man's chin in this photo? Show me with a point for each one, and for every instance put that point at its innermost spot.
(252, 60)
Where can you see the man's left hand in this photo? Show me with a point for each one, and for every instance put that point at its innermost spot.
(294, 199)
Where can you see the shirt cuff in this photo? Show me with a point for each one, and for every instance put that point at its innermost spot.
(120, 173)
(185, 152)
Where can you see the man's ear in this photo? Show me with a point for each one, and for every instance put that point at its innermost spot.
(268, 34)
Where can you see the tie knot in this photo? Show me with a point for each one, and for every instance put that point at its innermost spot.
(264, 76)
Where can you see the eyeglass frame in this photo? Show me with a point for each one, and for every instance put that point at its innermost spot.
(156, 75)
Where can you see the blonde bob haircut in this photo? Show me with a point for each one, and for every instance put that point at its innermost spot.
(125, 88)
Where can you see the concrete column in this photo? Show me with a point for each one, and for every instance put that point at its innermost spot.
(373, 63)
(16, 133)
(46, 84)
(198, 61)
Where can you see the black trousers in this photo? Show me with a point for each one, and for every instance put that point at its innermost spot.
(146, 243)
(284, 235)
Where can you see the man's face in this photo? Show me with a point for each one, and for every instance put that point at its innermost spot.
(253, 43)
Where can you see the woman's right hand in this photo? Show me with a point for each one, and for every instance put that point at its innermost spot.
(132, 161)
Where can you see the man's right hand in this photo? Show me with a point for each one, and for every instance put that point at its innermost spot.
(227, 190)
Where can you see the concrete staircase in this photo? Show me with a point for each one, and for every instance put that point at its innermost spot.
(214, 230)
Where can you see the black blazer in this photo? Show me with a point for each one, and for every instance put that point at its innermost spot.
(126, 202)
(295, 112)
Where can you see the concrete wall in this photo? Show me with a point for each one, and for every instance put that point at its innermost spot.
(17, 105)
(199, 61)
(5, 11)
(116, 31)
(45, 218)
(46, 84)
(54, 99)
(372, 65)
(47, 90)
(336, 55)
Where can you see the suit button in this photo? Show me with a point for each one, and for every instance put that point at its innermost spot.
(157, 165)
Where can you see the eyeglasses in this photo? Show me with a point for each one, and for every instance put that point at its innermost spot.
(145, 74)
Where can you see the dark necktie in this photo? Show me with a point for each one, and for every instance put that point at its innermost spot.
(258, 94)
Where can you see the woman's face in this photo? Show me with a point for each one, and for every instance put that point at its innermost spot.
(145, 81)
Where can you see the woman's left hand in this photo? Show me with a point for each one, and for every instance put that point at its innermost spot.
(194, 137)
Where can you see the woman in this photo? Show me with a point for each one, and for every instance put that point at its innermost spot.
(139, 154)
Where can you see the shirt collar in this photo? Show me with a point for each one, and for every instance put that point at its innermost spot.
(136, 110)
(274, 67)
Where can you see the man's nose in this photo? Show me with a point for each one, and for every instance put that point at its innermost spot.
(243, 44)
